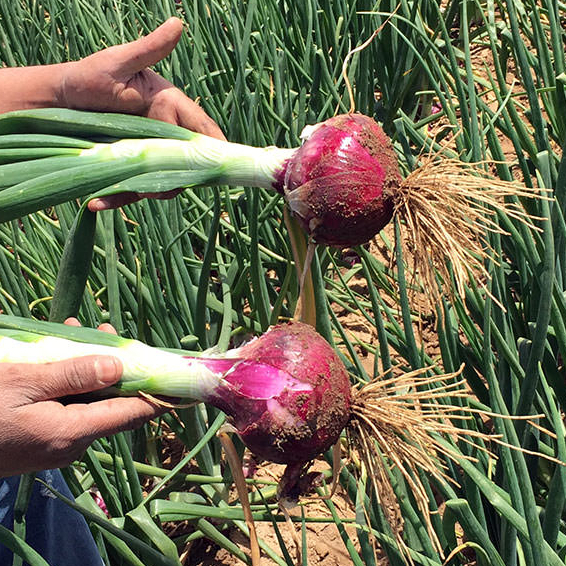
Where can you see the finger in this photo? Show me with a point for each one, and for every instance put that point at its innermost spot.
(131, 58)
(168, 195)
(73, 376)
(109, 416)
(73, 427)
(114, 201)
(106, 327)
(173, 106)
(191, 116)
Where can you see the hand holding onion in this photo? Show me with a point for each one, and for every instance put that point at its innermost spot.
(39, 432)
(287, 393)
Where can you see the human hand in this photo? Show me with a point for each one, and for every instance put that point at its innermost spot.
(39, 432)
(117, 79)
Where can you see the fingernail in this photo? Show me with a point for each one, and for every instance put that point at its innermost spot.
(97, 204)
(107, 370)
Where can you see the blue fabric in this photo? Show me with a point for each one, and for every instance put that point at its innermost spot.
(60, 534)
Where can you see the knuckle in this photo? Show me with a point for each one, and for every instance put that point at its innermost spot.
(75, 374)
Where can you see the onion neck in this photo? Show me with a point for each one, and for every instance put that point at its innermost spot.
(251, 166)
(230, 163)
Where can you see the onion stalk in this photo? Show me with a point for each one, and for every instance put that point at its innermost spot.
(343, 184)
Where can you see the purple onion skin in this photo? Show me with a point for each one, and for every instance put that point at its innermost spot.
(340, 184)
(289, 398)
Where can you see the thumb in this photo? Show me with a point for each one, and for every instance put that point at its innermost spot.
(133, 57)
(77, 375)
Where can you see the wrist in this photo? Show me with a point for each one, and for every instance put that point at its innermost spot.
(31, 87)
(65, 92)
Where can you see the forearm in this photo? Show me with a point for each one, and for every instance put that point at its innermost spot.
(31, 87)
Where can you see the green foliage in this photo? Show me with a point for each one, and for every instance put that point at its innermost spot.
(213, 266)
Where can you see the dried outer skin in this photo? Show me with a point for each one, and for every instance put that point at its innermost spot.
(340, 184)
(298, 422)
